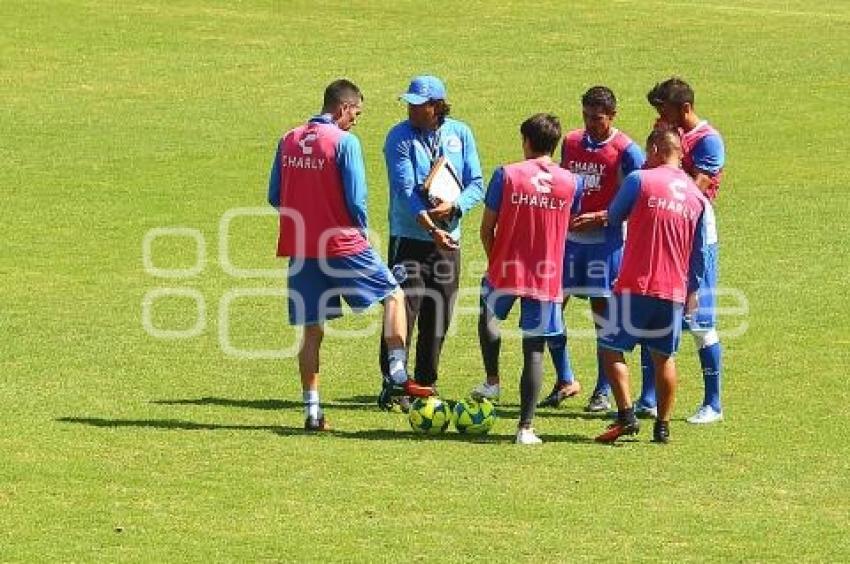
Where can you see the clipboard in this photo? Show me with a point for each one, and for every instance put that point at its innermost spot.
(442, 183)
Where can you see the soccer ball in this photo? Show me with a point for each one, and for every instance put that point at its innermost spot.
(429, 415)
(474, 416)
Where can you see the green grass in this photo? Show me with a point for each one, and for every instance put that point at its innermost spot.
(116, 446)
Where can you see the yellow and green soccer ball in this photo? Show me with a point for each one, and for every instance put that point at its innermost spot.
(429, 415)
(474, 416)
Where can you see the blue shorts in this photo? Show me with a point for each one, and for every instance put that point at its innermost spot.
(317, 287)
(590, 268)
(537, 318)
(705, 316)
(631, 319)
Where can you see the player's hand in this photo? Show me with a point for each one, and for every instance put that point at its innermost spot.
(444, 211)
(444, 240)
(587, 221)
(692, 303)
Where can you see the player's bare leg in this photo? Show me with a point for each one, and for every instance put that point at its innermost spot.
(665, 385)
(395, 336)
(617, 372)
(598, 401)
(308, 366)
(490, 342)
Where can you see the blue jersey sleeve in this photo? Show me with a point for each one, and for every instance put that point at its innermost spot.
(493, 198)
(349, 160)
(632, 160)
(275, 178)
(397, 153)
(576, 207)
(699, 256)
(709, 155)
(625, 199)
(471, 176)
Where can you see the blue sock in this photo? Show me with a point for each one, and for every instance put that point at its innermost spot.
(647, 388)
(560, 358)
(603, 387)
(710, 360)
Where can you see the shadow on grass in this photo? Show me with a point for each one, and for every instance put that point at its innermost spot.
(508, 413)
(367, 403)
(269, 404)
(368, 434)
(177, 425)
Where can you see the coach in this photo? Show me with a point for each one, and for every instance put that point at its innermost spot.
(425, 234)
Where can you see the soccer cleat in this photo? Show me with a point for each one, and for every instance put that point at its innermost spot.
(559, 393)
(390, 390)
(413, 389)
(644, 411)
(705, 415)
(527, 437)
(618, 429)
(661, 432)
(316, 424)
(486, 391)
(598, 402)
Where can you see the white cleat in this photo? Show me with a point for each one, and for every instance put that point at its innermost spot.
(486, 391)
(705, 415)
(527, 437)
(642, 410)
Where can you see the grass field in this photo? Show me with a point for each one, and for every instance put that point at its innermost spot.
(119, 118)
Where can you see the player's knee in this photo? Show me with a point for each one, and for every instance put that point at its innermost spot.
(705, 337)
(395, 298)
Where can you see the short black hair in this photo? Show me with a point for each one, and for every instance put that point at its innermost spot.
(339, 92)
(673, 91)
(666, 138)
(543, 132)
(600, 97)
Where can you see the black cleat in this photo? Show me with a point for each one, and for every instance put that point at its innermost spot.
(619, 428)
(316, 424)
(391, 394)
(559, 393)
(661, 432)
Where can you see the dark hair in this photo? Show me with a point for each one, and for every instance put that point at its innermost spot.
(673, 91)
(441, 109)
(666, 139)
(602, 97)
(339, 92)
(543, 132)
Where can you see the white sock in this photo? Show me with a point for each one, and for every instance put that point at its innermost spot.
(311, 403)
(398, 365)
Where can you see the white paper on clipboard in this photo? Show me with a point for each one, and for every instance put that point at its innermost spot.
(442, 182)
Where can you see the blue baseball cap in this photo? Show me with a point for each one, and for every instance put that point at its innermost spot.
(423, 89)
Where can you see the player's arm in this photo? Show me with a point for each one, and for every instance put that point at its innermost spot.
(492, 203)
(632, 160)
(585, 221)
(275, 178)
(698, 264)
(625, 199)
(402, 179)
(349, 160)
(709, 156)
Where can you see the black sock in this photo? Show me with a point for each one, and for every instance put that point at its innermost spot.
(490, 340)
(531, 379)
